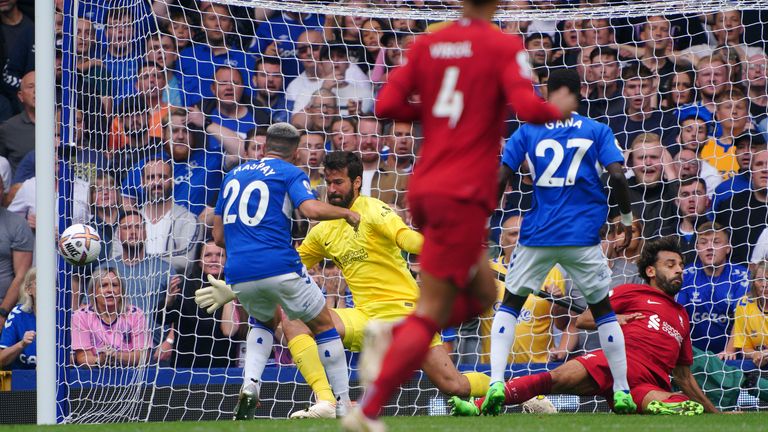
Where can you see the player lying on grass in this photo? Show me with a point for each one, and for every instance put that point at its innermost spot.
(657, 335)
(382, 287)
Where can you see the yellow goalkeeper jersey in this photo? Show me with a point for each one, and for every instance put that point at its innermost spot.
(750, 325)
(533, 335)
(369, 258)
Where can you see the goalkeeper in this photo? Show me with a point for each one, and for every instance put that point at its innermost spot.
(382, 287)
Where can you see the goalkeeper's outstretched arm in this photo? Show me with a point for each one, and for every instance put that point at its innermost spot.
(687, 383)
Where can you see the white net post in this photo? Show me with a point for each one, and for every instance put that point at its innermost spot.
(47, 347)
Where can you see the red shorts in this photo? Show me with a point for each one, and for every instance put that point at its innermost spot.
(454, 235)
(641, 381)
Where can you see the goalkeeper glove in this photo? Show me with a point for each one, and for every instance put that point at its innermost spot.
(214, 296)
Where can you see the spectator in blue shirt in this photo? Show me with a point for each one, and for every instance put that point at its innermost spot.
(199, 61)
(162, 50)
(639, 115)
(712, 288)
(18, 346)
(268, 91)
(692, 207)
(279, 35)
(197, 172)
(123, 53)
(228, 109)
(745, 145)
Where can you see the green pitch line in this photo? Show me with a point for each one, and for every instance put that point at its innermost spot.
(517, 422)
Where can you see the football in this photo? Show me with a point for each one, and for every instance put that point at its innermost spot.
(80, 244)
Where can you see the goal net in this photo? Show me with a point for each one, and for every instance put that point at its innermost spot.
(158, 100)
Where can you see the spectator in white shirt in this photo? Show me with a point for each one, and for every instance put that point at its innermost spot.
(173, 233)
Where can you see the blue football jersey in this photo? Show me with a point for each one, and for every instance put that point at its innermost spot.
(255, 204)
(566, 159)
(711, 302)
(18, 323)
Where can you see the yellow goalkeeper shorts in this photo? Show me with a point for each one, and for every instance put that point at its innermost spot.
(355, 320)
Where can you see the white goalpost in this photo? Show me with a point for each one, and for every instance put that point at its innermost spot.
(188, 88)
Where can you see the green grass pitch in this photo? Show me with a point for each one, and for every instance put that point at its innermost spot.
(517, 422)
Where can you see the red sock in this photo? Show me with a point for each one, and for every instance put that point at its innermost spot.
(410, 345)
(465, 307)
(519, 390)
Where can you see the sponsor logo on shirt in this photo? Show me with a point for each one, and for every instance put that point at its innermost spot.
(696, 298)
(353, 256)
(655, 323)
(698, 317)
(29, 360)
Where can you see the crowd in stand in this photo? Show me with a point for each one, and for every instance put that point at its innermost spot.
(152, 112)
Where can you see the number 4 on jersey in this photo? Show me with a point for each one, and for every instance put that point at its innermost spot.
(450, 102)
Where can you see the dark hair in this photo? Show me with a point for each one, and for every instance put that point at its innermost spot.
(282, 139)
(257, 131)
(564, 78)
(651, 250)
(339, 160)
(129, 212)
(635, 70)
(132, 105)
(307, 133)
(603, 51)
(710, 227)
(681, 68)
(692, 180)
(151, 64)
(119, 13)
(266, 59)
(349, 119)
(733, 93)
(536, 35)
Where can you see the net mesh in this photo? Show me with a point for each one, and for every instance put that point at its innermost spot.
(158, 101)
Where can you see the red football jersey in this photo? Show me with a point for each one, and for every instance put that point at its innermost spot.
(661, 340)
(458, 82)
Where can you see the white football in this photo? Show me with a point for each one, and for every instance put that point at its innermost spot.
(80, 244)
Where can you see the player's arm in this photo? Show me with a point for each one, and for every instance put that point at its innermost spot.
(410, 241)
(586, 321)
(311, 250)
(512, 156)
(520, 95)
(392, 227)
(320, 211)
(395, 98)
(620, 190)
(687, 383)
(505, 173)
(218, 231)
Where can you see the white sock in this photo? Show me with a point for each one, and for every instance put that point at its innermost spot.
(502, 339)
(334, 361)
(612, 343)
(258, 348)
